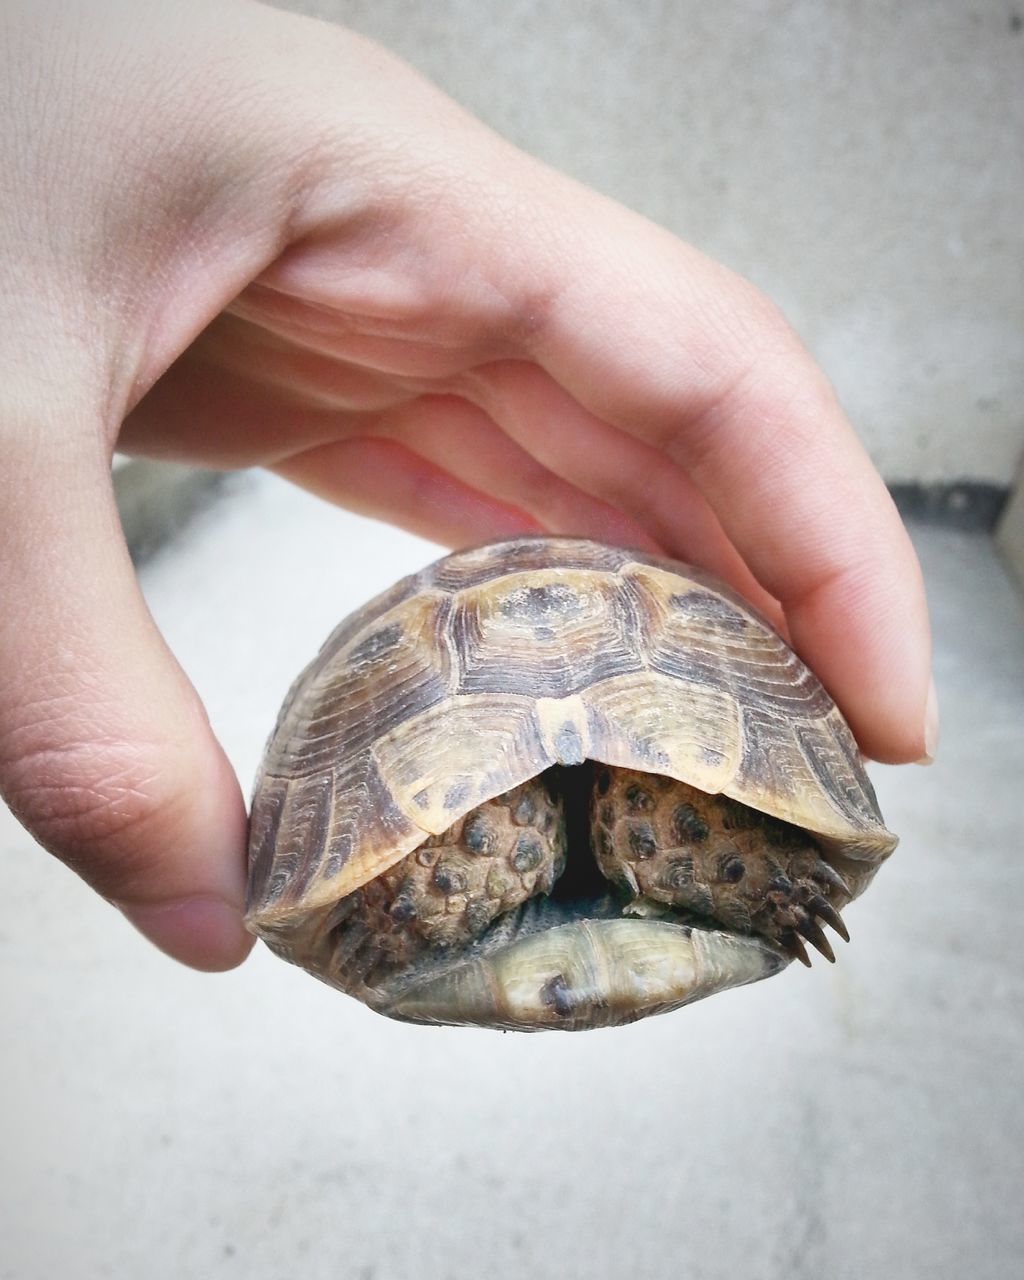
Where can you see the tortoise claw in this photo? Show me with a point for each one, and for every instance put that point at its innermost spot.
(825, 871)
(780, 883)
(827, 912)
(795, 948)
(810, 929)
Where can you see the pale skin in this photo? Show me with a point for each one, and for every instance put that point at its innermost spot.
(231, 236)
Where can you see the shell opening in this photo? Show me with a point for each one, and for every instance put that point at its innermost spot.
(452, 933)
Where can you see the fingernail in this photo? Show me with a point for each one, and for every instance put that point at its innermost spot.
(205, 933)
(931, 725)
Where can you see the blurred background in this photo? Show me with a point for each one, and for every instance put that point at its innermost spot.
(864, 164)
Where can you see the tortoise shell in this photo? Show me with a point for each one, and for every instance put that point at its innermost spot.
(489, 669)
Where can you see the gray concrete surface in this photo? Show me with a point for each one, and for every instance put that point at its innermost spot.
(857, 1121)
(860, 162)
(1009, 534)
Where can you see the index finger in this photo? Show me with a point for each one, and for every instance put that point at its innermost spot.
(653, 337)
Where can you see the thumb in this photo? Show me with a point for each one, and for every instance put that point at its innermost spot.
(106, 754)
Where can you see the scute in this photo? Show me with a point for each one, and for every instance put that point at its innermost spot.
(546, 633)
(488, 667)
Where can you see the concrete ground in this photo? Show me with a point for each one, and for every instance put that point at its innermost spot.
(856, 1121)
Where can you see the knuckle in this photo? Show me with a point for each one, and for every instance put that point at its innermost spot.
(525, 321)
(777, 393)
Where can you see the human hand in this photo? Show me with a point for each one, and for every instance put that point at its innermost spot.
(233, 236)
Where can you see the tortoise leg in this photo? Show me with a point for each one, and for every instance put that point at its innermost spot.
(665, 842)
(448, 891)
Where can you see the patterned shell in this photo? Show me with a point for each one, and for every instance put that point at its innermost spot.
(491, 665)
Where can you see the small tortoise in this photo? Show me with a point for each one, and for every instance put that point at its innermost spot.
(549, 783)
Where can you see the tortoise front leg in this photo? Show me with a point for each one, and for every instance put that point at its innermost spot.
(665, 842)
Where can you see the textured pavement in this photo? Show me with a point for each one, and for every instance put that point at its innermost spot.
(861, 1120)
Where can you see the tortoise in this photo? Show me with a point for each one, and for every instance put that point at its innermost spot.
(547, 783)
